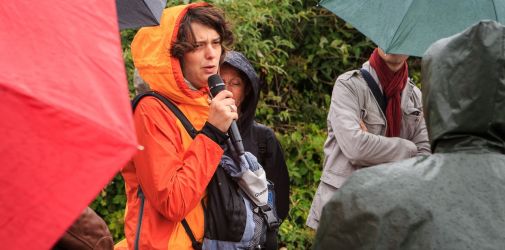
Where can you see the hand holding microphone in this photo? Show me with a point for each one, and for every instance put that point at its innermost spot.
(222, 108)
(221, 96)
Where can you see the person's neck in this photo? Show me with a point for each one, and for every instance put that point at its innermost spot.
(394, 67)
(190, 85)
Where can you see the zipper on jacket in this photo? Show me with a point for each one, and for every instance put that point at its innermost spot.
(140, 194)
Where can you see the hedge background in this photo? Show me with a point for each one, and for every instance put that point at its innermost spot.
(299, 49)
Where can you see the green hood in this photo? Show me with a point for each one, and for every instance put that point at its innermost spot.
(464, 89)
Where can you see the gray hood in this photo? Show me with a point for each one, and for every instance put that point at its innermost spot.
(472, 99)
(248, 106)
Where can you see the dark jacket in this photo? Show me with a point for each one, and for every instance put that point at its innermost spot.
(259, 139)
(452, 199)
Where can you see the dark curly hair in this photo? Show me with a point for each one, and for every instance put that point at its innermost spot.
(209, 16)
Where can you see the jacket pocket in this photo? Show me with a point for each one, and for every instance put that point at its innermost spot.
(412, 117)
(373, 121)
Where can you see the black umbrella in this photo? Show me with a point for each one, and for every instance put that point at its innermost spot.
(138, 13)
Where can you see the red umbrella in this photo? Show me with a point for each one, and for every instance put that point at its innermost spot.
(65, 117)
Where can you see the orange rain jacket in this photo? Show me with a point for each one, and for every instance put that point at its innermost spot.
(173, 170)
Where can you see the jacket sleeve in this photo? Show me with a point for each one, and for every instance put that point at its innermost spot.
(277, 172)
(420, 137)
(362, 148)
(173, 179)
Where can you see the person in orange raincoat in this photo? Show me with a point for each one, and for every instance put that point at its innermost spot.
(173, 170)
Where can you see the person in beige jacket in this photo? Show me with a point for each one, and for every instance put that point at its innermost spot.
(364, 130)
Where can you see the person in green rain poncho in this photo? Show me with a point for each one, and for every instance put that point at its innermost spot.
(454, 198)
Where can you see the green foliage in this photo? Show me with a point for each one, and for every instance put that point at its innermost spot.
(303, 150)
(298, 49)
(126, 38)
(415, 70)
(110, 204)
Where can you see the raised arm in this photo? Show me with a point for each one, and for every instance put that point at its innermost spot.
(173, 178)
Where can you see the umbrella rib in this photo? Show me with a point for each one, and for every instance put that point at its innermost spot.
(401, 22)
(148, 8)
(111, 131)
(495, 13)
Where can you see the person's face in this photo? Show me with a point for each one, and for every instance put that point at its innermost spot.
(202, 62)
(234, 83)
(393, 61)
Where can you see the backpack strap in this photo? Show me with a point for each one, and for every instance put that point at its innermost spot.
(374, 87)
(196, 245)
(177, 112)
(262, 144)
(269, 215)
(273, 223)
(191, 131)
(266, 211)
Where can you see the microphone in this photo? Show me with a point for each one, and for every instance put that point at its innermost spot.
(217, 85)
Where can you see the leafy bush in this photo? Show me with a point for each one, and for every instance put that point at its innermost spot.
(298, 49)
(303, 150)
(110, 204)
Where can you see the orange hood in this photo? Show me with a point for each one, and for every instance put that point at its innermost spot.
(151, 55)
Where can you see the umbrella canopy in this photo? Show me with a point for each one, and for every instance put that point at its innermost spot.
(410, 26)
(66, 125)
(138, 13)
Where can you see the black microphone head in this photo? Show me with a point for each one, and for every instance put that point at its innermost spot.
(216, 84)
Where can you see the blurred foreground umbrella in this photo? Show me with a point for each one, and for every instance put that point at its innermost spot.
(66, 125)
(410, 26)
(138, 13)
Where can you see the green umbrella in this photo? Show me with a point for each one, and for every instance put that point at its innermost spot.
(410, 26)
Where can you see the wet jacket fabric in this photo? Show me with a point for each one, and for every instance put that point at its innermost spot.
(256, 136)
(173, 170)
(348, 148)
(452, 199)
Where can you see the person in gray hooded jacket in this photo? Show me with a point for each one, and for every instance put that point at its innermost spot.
(363, 131)
(241, 79)
(452, 199)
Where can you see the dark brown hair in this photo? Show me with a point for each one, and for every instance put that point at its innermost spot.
(209, 16)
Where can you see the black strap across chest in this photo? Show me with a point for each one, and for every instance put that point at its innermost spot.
(177, 112)
(191, 131)
(374, 87)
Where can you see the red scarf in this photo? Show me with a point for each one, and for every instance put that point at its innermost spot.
(392, 84)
